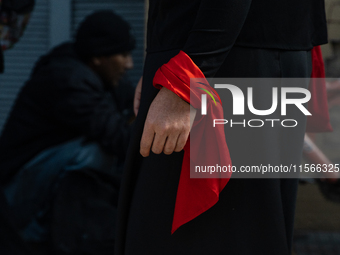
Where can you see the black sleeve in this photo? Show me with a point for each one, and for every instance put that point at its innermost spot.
(92, 112)
(217, 25)
(124, 94)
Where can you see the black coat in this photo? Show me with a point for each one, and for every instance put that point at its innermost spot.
(64, 99)
(236, 38)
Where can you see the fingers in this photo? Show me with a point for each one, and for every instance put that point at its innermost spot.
(171, 143)
(167, 124)
(146, 141)
(158, 143)
(182, 140)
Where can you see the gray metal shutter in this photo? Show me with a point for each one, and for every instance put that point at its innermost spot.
(132, 11)
(20, 60)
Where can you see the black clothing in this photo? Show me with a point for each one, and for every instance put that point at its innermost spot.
(64, 200)
(253, 216)
(206, 30)
(84, 213)
(10, 243)
(62, 100)
(225, 39)
(103, 33)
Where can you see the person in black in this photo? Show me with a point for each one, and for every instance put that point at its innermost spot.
(64, 142)
(234, 38)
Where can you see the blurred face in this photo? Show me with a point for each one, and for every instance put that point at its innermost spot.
(112, 68)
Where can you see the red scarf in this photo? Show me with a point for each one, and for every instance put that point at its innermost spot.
(208, 145)
(319, 121)
(197, 195)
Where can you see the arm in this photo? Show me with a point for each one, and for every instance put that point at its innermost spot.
(216, 28)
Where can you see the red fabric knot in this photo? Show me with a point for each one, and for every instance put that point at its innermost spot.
(206, 145)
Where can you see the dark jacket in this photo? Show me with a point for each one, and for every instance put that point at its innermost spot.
(207, 30)
(63, 99)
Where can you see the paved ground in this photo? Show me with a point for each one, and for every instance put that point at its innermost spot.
(317, 243)
(317, 223)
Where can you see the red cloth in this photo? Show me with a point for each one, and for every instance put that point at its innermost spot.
(319, 121)
(208, 144)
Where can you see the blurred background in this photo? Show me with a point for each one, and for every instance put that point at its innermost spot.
(317, 229)
(53, 22)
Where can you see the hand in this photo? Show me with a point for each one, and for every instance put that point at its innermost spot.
(315, 155)
(331, 177)
(138, 92)
(167, 124)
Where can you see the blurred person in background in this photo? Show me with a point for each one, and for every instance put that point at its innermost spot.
(14, 16)
(63, 145)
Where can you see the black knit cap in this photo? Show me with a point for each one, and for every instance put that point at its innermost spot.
(103, 33)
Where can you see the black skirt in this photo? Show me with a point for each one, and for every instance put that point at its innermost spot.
(253, 216)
